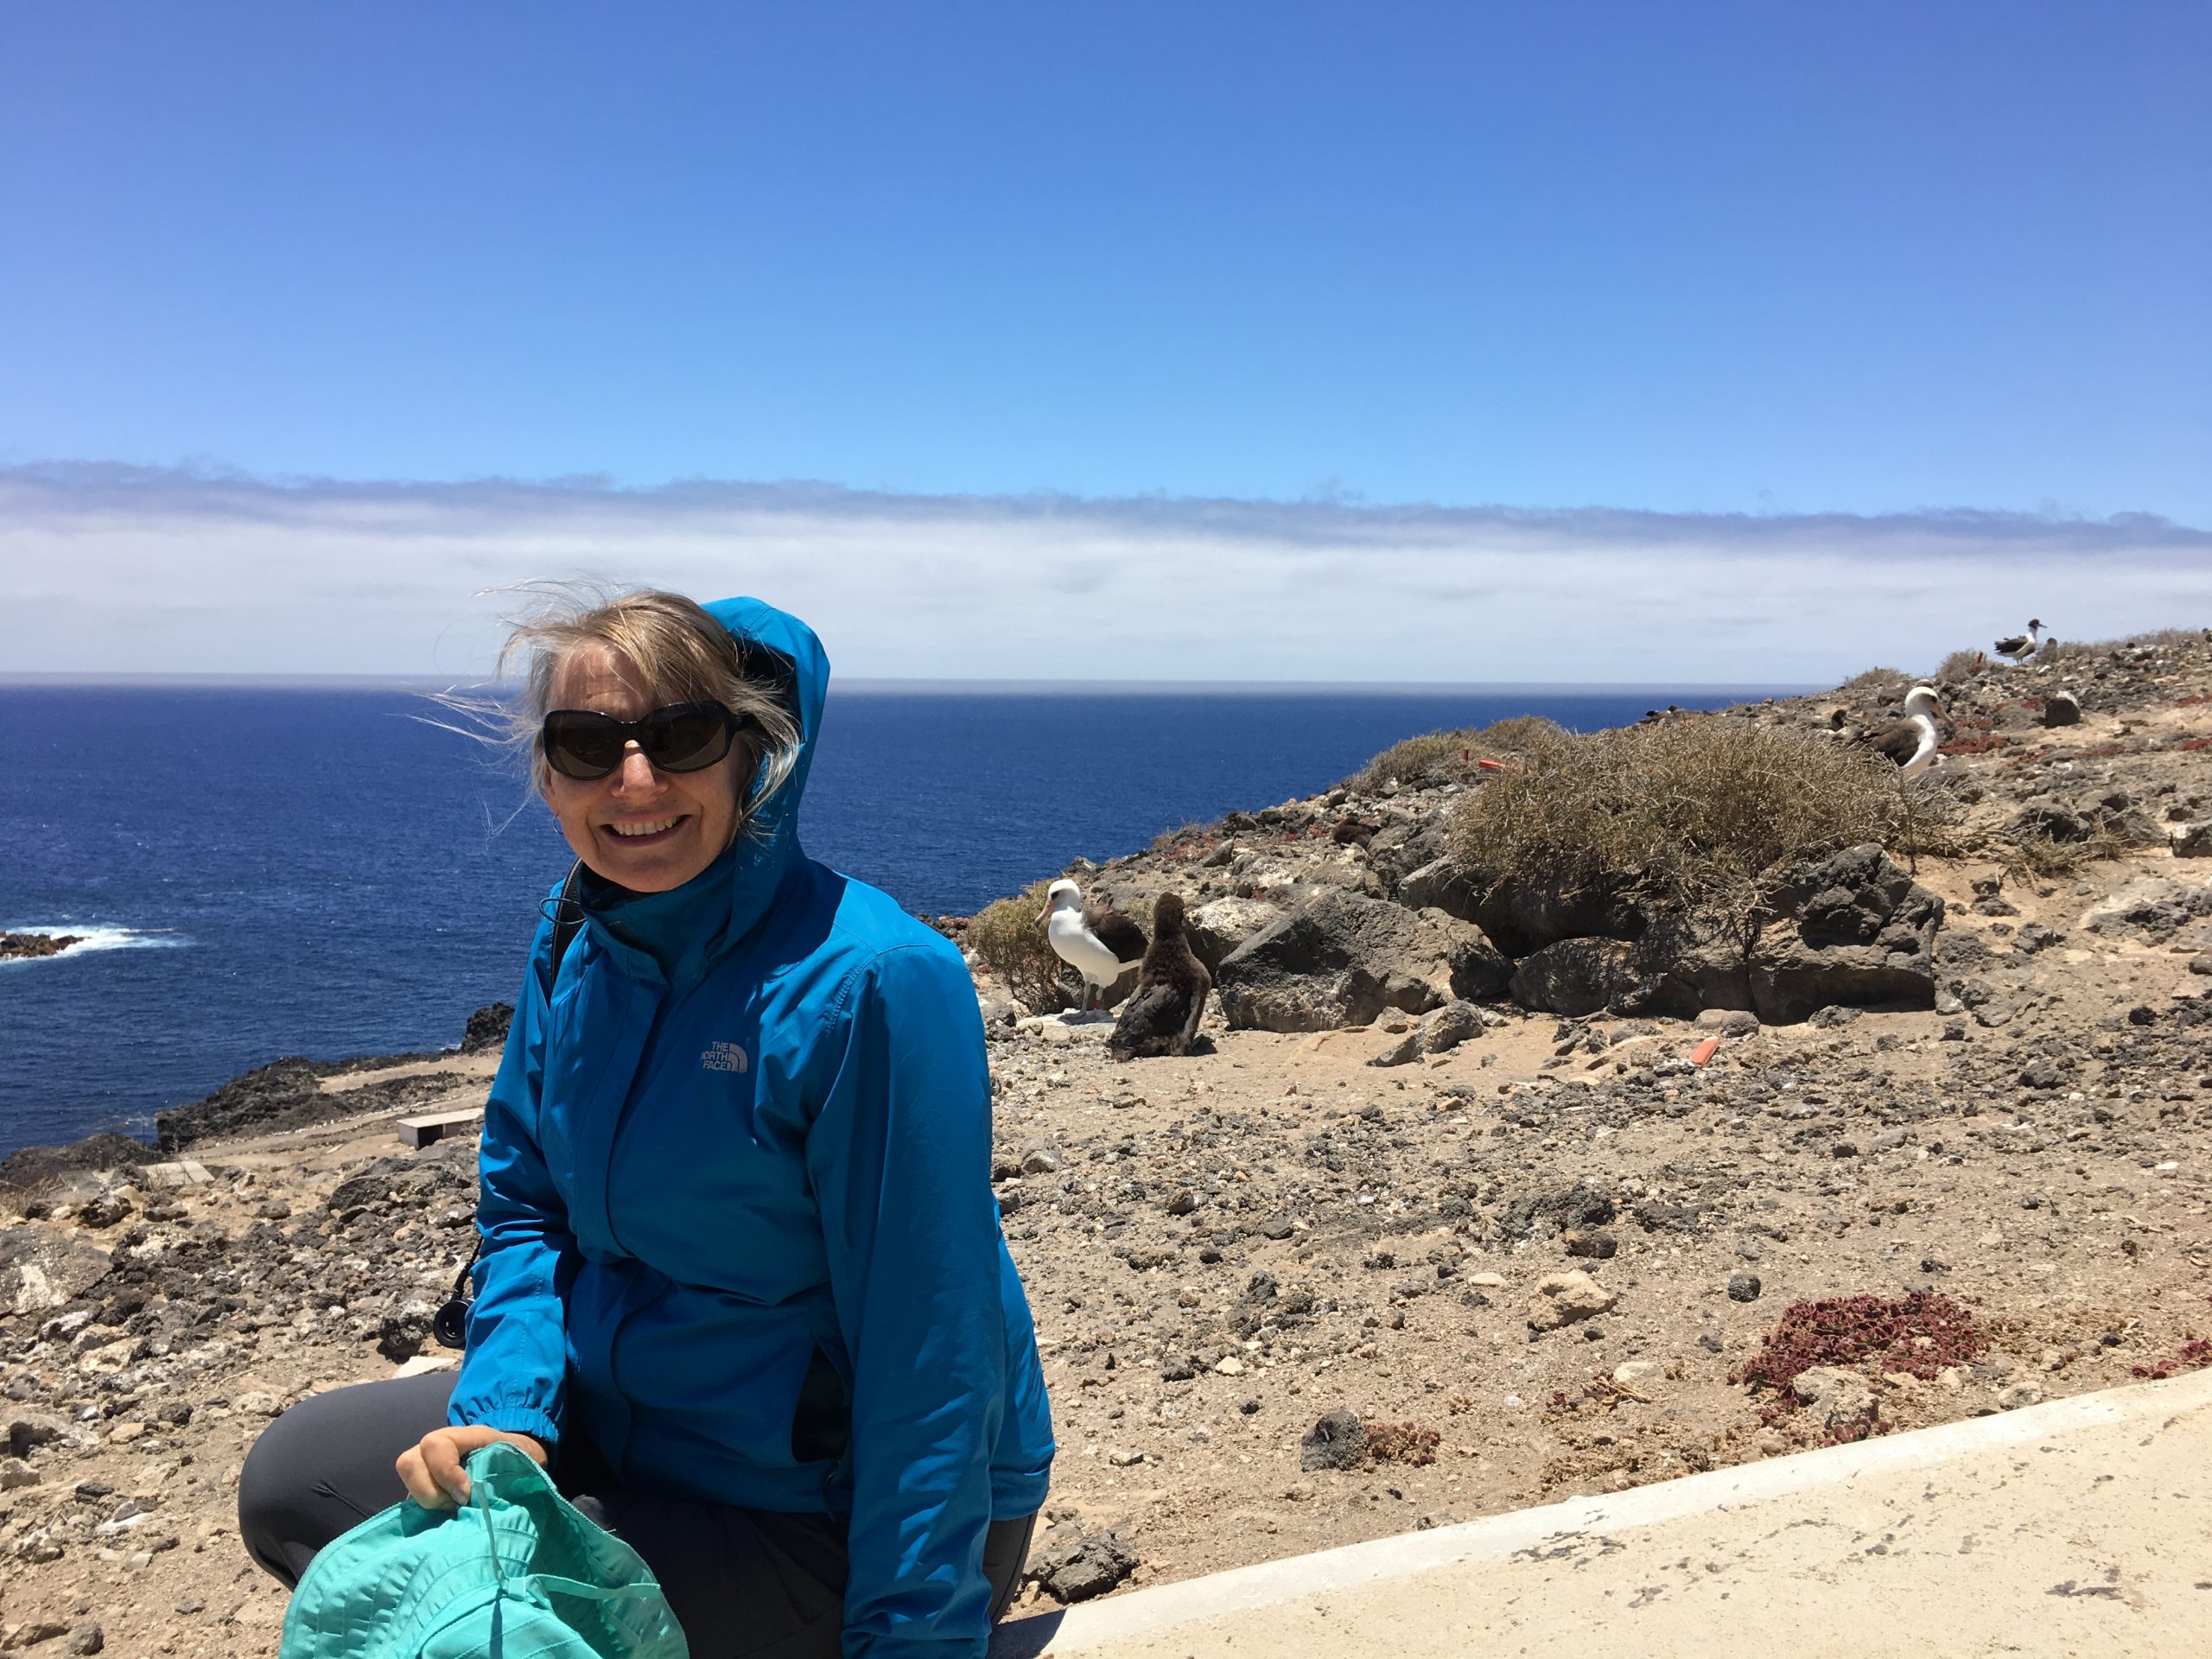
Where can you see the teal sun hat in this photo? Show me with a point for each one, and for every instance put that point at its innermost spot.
(515, 1574)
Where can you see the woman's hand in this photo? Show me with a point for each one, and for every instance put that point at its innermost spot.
(431, 1467)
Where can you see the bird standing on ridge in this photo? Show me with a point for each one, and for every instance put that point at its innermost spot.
(1162, 1015)
(1097, 941)
(1911, 742)
(2021, 646)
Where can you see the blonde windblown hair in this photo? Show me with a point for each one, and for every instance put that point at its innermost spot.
(675, 648)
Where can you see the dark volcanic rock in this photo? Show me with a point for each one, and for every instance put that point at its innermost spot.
(488, 1028)
(1338, 1440)
(285, 1095)
(1443, 884)
(252, 1101)
(1341, 959)
(1525, 915)
(1856, 930)
(18, 947)
(1582, 1207)
(1849, 930)
(1075, 1566)
(1579, 977)
(446, 1170)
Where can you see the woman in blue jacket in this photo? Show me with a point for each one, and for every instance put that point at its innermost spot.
(741, 1280)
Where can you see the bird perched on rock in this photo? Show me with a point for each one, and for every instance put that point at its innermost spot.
(1097, 941)
(1162, 1015)
(2021, 646)
(1911, 742)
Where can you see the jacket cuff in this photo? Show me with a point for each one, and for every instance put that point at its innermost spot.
(512, 1419)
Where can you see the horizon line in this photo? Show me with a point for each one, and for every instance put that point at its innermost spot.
(893, 686)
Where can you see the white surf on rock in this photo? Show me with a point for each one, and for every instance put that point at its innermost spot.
(89, 937)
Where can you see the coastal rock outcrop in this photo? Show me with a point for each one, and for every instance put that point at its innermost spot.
(22, 946)
(1340, 959)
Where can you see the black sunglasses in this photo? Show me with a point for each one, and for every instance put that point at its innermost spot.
(682, 737)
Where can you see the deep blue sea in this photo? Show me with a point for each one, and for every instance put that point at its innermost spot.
(279, 871)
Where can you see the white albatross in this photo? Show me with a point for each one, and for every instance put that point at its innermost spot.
(1100, 944)
(1911, 742)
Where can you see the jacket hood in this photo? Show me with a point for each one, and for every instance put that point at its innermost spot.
(794, 657)
(682, 931)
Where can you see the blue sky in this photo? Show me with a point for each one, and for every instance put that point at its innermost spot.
(1686, 259)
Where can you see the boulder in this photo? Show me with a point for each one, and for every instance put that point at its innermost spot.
(2115, 813)
(1852, 929)
(1579, 977)
(1398, 850)
(2192, 840)
(1849, 929)
(1216, 928)
(2061, 708)
(42, 1268)
(1442, 1030)
(1524, 914)
(1341, 958)
(1443, 884)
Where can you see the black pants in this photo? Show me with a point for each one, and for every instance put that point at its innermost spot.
(744, 1584)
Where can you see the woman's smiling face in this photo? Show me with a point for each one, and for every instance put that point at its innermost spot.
(646, 830)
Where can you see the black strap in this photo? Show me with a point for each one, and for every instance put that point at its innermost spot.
(567, 922)
(449, 1325)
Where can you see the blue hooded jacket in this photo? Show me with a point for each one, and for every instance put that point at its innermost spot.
(737, 1218)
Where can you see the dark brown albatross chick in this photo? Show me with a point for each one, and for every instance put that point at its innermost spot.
(1162, 1015)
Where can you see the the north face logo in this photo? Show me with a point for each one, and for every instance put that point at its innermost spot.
(724, 1056)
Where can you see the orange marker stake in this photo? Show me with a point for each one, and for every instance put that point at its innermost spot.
(1489, 766)
(1704, 1051)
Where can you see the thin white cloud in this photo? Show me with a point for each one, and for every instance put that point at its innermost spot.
(107, 569)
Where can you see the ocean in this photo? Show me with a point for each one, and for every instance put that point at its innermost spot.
(285, 870)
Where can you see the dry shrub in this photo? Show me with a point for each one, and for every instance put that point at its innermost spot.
(1886, 683)
(1416, 762)
(1011, 942)
(1931, 819)
(1691, 811)
(1961, 665)
(1449, 757)
(2032, 854)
